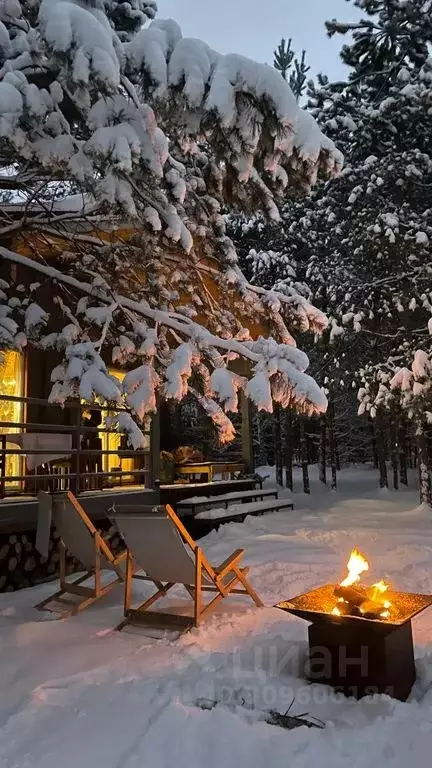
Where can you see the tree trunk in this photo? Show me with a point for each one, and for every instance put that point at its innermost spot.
(411, 453)
(278, 444)
(304, 457)
(246, 434)
(394, 453)
(403, 450)
(332, 445)
(423, 468)
(381, 453)
(374, 445)
(258, 439)
(337, 455)
(323, 451)
(289, 446)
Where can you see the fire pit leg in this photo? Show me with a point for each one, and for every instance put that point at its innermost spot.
(361, 660)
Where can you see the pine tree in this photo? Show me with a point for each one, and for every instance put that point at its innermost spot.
(298, 77)
(369, 263)
(392, 35)
(361, 243)
(284, 59)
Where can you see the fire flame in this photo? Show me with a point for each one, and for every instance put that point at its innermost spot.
(356, 565)
(375, 601)
(378, 589)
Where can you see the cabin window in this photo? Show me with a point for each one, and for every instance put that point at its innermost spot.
(12, 412)
(113, 441)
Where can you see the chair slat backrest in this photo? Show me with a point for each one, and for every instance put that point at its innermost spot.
(155, 543)
(76, 530)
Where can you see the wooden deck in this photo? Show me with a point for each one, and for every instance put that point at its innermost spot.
(172, 494)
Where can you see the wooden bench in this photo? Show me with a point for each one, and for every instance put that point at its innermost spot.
(195, 503)
(210, 519)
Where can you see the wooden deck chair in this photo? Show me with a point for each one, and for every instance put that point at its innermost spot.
(79, 536)
(159, 544)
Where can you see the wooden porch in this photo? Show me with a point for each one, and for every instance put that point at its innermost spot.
(67, 448)
(44, 446)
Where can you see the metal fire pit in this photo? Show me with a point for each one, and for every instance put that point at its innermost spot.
(357, 655)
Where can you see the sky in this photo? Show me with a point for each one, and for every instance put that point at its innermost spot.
(255, 27)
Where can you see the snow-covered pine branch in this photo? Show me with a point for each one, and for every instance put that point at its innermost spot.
(88, 96)
(155, 338)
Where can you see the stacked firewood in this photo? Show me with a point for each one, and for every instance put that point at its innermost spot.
(356, 600)
(21, 565)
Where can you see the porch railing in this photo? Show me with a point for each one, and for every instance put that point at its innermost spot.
(78, 467)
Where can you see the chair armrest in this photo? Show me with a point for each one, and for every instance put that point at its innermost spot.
(227, 564)
(120, 557)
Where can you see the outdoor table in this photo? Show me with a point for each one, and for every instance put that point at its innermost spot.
(209, 469)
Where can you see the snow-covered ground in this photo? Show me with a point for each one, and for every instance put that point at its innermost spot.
(76, 693)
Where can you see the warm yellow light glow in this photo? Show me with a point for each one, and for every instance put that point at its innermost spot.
(356, 565)
(11, 378)
(378, 590)
(111, 442)
(373, 603)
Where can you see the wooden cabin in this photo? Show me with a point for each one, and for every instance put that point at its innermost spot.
(45, 446)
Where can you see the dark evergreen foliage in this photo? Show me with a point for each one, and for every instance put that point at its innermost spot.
(361, 243)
